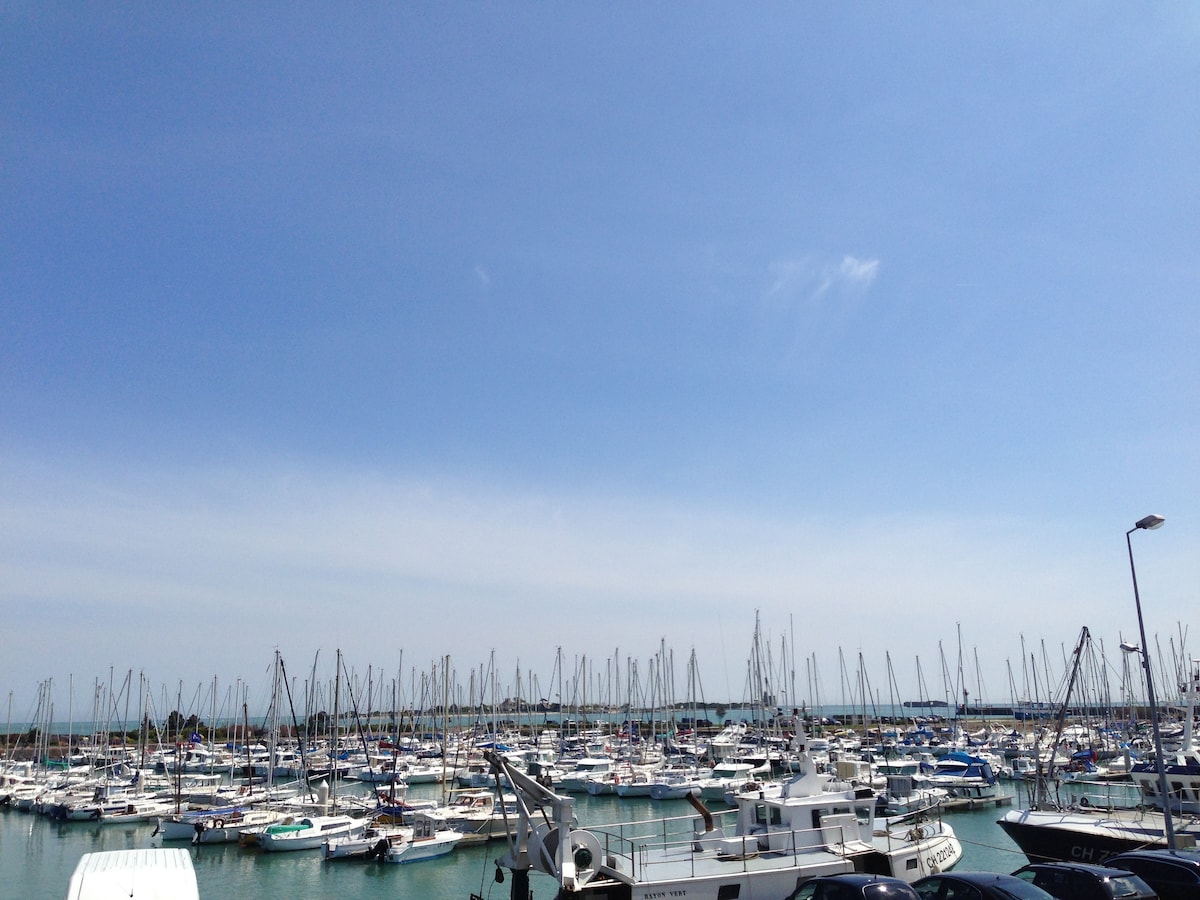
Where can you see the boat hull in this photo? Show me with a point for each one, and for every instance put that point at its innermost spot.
(420, 850)
(1083, 837)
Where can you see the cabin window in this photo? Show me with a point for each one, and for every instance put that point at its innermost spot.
(776, 816)
(729, 892)
(863, 814)
(760, 813)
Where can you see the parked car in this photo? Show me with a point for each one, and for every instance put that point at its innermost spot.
(977, 886)
(1173, 874)
(1082, 881)
(856, 886)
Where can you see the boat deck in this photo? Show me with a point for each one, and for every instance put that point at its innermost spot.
(680, 864)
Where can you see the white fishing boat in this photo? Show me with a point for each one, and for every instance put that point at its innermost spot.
(771, 846)
(730, 775)
(575, 781)
(309, 832)
(372, 843)
(425, 773)
(907, 796)
(425, 840)
(477, 815)
(675, 784)
(965, 776)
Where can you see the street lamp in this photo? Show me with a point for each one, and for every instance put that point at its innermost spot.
(1149, 523)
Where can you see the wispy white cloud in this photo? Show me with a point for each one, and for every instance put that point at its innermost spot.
(858, 273)
(805, 279)
(481, 274)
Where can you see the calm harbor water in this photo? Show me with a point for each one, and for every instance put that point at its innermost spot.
(37, 858)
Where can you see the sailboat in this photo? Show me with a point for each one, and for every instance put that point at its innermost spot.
(1088, 834)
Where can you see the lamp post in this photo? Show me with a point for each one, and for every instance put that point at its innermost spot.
(1149, 523)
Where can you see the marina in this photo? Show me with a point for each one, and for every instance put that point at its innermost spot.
(595, 451)
(590, 800)
(37, 857)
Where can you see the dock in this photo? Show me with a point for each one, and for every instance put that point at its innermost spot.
(959, 804)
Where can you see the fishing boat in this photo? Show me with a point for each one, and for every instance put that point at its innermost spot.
(370, 843)
(771, 846)
(675, 784)
(730, 774)
(425, 840)
(965, 776)
(477, 815)
(907, 796)
(576, 780)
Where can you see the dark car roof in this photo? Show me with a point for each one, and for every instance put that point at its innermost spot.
(1105, 871)
(1189, 856)
(971, 877)
(862, 884)
(1011, 884)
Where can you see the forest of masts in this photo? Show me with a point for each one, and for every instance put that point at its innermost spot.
(586, 690)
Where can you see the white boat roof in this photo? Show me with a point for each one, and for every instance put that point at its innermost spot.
(140, 874)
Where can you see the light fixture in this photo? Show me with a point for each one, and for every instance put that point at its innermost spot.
(1149, 523)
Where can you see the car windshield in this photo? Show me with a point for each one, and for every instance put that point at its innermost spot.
(1127, 886)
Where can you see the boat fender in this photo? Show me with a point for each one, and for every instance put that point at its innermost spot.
(218, 823)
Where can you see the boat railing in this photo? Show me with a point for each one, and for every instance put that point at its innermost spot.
(1103, 795)
(628, 846)
(638, 852)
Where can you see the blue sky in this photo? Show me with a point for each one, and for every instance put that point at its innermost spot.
(447, 328)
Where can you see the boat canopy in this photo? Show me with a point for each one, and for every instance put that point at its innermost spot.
(148, 874)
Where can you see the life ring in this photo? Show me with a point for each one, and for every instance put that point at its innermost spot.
(218, 823)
